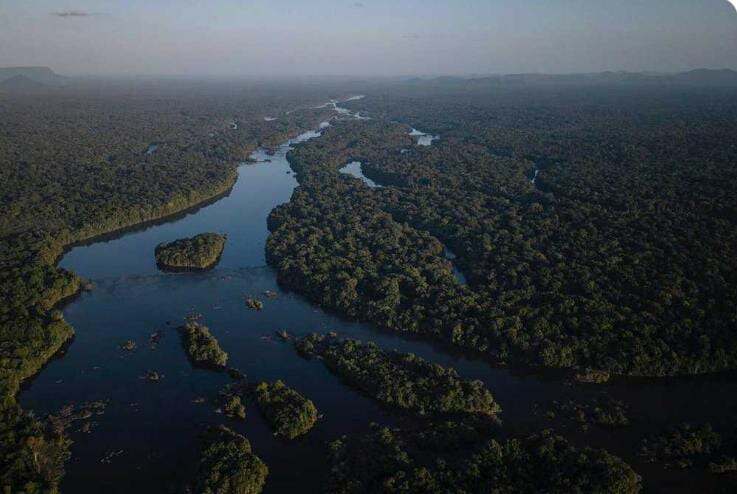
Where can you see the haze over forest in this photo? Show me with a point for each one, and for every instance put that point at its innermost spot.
(262, 38)
(368, 246)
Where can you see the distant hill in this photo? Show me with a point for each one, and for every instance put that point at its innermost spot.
(42, 75)
(21, 83)
(700, 77)
(724, 77)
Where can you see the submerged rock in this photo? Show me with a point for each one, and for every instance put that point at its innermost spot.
(152, 376)
(154, 338)
(202, 251)
(128, 345)
(253, 303)
(235, 374)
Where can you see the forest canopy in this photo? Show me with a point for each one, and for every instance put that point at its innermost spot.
(619, 257)
(433, 461)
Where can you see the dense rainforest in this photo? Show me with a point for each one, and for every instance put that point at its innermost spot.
(456, 456)
(89, 160)
(596, 226)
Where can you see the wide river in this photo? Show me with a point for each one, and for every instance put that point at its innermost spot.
(145, 442)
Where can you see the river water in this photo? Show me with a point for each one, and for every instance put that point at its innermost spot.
(145, 442)
(354, 170)
(423, 139)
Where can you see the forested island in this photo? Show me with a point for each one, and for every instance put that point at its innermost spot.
(201, 346)
(199, 252)
(289, 413)
(227, 464)
(400, 380)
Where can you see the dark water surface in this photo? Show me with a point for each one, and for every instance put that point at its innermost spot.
(151, 428)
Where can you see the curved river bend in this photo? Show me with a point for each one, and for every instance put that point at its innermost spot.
(146, 438)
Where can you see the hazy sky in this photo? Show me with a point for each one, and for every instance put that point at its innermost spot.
(366, 37)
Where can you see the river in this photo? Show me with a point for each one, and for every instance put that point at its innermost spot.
(423, 139)
(354, 170)
(148, 432)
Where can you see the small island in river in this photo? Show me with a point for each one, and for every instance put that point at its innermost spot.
(200, 252)
(289, 413)
(227, 464)
(201, 346)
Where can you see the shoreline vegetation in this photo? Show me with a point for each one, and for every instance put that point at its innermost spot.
(32, 331)
(200, 252)
(143, 225)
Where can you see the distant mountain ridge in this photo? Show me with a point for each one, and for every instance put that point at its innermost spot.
(40, 75)
(703, 77)
(723, 76)
(21, 83)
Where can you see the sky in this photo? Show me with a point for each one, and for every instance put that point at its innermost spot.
(276, 38)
